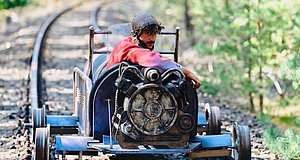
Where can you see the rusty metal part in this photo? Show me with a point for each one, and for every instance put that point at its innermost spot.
(241, 142)
(150, 114)
(213, 118)
(186, 122)
(210, 153)
(152, 109)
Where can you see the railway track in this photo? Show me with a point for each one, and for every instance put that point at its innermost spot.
(64, 48)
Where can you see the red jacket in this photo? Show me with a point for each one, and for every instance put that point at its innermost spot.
(126, 50)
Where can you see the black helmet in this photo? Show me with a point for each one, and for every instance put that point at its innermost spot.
(143, 20)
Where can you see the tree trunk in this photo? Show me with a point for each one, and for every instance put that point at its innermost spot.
(250, 92)
(261, 96)
(189, 26)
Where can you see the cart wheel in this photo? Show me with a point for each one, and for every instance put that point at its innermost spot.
(213, 118)
(38, 119)
(42, 144)
(241, 141)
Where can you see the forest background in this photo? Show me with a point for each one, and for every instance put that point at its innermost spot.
(252, 52)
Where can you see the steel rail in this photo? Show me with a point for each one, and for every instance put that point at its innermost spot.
(36, 72)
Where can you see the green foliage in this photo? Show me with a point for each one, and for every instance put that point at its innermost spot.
(251, 31)
(7, 4)
(271, 134)
(290, 120)
(210, 88)
(297, 121)
(290, 69)
(284, 102)
(264, 118)
(167, 12)
(287, 145)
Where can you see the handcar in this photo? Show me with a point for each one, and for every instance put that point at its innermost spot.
(129, 109)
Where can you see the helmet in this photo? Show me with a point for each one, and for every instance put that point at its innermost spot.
(143, 20)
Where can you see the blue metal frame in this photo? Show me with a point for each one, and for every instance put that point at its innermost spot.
(81, 143)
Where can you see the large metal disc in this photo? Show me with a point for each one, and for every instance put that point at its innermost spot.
(242, 143)
(42, 144)
(213, 118)
(152, 109)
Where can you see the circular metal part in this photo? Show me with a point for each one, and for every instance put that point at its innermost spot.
(241, 142)
(152, 109)
(152, 74)
(186, 123)
(128, 128)
(213, 118)
(42, 144)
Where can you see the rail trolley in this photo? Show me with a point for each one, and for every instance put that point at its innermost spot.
(128, 109)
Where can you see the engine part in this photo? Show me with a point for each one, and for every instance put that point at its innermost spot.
(152, 109)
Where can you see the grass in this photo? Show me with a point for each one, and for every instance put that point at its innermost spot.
(285, 115)
(286, 145)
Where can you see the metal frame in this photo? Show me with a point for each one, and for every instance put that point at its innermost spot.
(91, 45)
(91, 49)
(176, 48)
(82, 86)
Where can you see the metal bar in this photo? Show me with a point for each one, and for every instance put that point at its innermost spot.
(64, 155)
(176, 44)
(75, 109)
(80, 155)
(167, 52)
(103, 32)
(167, 33)
(82, 88)
(91, 48)
(88, 88)
(62, 120)
(209, 153)
(84, 153)
(63, 130)
(102, 52)
(214, 141)
(109, 121)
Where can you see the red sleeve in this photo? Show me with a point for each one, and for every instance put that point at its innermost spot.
(128, 51)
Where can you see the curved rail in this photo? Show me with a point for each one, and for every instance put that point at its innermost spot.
(94, 17)
(36, 73)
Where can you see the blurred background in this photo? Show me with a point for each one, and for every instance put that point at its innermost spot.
(245, 51)
(247, 55)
